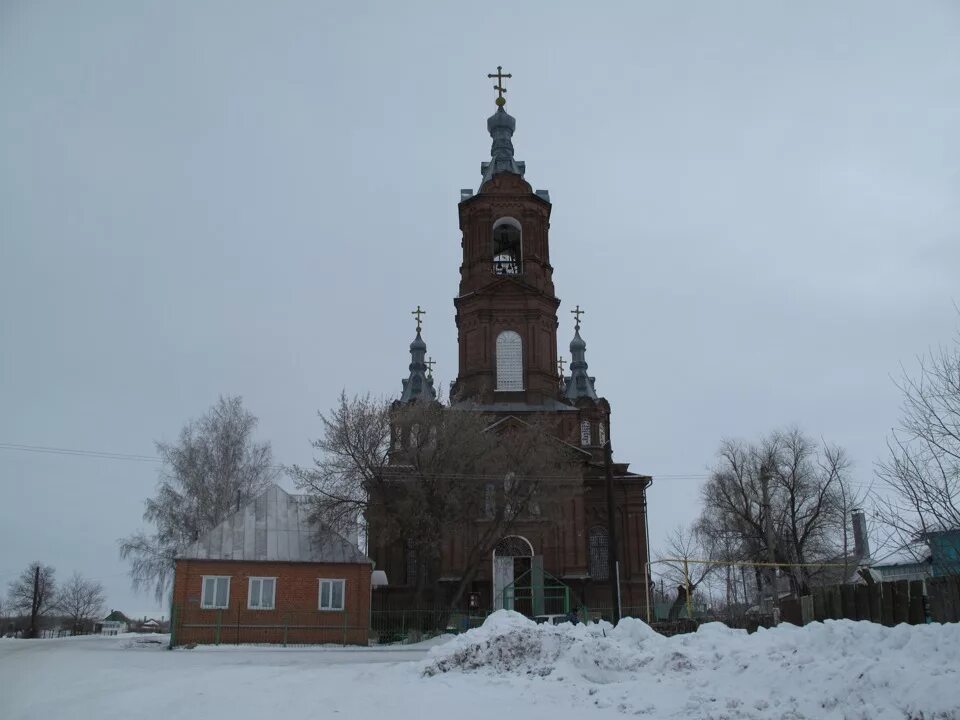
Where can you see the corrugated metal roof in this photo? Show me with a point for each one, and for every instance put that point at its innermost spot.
(276, 526)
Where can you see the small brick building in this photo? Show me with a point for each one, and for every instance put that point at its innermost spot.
(268, 574)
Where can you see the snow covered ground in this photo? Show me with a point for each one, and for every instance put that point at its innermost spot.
(839, 669)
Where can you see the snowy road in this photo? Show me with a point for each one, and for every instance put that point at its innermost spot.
(106, 679)
(510, 667)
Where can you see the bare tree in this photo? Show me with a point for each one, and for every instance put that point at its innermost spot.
(214, 468)
(775, 502)
(922, 468)
(33, 594)
(680, 559)
(81, 601)
(417, 472)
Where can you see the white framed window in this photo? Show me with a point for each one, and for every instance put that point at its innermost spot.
(602, 432)
(585, 432)
(509, 361)
(332, 594)
(262, 593)
(216, 592)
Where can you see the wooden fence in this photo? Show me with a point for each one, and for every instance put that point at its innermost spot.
(914, 602)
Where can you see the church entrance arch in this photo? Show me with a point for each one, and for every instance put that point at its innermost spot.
(512, 558)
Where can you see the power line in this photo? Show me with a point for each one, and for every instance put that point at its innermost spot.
(106, 455)
(43, 449)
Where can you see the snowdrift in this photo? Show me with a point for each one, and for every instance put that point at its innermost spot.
(836, 669)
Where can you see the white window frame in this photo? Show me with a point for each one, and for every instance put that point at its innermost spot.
(509, 361)
(203, 588)
(273, 595)
(343, 594)
(586, 436)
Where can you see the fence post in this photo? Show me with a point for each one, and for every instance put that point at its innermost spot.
(886, 603)
(876, 602)
(286, 625)
(953, 585)
(917, 614)
(819, 613)
(216, 630)
(849, 598)
(901, 602)
(862, 600)
(173, 626)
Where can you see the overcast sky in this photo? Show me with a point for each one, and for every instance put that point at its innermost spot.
(755, 202)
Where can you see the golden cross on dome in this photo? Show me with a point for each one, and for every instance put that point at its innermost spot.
(578, 312)
(560, 363)
(500, 75)
(418, 312)
(430, 362)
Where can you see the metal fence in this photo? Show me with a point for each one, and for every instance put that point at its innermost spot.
(193, 625)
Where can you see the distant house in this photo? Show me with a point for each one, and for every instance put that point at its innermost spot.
(944, 551)
(902, 567)
(149, 626)
(113, 624)
(269, 574)
(940, 557)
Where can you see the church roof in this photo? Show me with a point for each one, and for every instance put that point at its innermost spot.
(275, 526)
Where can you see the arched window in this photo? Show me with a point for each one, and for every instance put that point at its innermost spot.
(599, 557)
(509, 361)
(584, 432)
(507, 247)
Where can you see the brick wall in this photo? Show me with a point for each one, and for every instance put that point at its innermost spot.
(295, 618)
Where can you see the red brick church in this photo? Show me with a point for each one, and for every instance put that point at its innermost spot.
(506, 317)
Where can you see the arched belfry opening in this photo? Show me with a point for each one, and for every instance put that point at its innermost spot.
(507, 247)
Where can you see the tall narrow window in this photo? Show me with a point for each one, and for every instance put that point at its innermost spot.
(509, 487)
(584, 432)
(599, 557)
(411, 565)
(602, 433)
(509, 361)
(489, 501)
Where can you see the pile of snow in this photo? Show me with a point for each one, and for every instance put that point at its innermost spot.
(836, 669)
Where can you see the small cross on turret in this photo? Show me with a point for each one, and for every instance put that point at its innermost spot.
(418, 312)
(560, 363)
(430, 362)
(577, 313)
(500, 75)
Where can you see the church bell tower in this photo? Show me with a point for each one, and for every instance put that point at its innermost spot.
(506, 307)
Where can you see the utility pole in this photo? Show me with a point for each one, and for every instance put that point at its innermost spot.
(612, 561)
(35, 602)
(768, 532)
